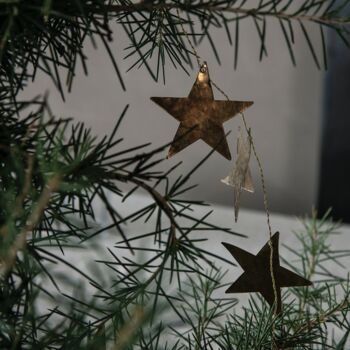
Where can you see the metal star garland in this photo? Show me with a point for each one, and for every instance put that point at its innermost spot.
(257, 274)
(200, 116)
(240, 177)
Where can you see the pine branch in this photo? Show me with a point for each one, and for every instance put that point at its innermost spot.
(257, 12)
(8, 261)
(88, 167)
(53, 171)
(142, 19)
(51, 36)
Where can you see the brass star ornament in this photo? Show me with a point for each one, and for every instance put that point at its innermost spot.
(257, 274)
(200, 116)
(240, 177)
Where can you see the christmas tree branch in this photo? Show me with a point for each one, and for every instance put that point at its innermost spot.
(170, 271)
(88, 168)
(258, 12)
(158, 198)
(51, 36)
(20, 242)
(325, 317)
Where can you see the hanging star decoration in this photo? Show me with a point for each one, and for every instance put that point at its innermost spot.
(257, 274)
(240, 177)
(200, 116)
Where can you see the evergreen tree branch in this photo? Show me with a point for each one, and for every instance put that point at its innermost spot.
(51, 36)
(257, 12)
(8, 261)
(52, 171)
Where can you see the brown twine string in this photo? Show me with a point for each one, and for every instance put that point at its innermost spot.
(263, 185)
(267, 211)
(261, 171)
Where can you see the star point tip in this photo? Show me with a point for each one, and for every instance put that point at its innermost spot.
(227, 291)
(229, 247)
(226, 155)
(246, 105)
(170, 154)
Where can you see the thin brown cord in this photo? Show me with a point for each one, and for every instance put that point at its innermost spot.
(262, 177)
(266, 207)
(263, 185)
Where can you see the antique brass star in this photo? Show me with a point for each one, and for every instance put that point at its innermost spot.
(200, 116)
(257, 274)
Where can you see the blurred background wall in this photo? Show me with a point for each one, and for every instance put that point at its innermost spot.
(334, 186)
(285, 119)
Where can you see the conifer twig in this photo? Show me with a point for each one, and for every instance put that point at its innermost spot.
(20, 242)
(238, 10)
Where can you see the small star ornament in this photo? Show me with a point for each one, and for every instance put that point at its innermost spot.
(200, 116)
(240, 177)
(257, 274)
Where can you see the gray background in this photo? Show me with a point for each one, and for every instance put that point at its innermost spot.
(285, 118)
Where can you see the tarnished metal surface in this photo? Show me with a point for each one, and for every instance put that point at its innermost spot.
(257, 274)
(240, 177)
(200, 116)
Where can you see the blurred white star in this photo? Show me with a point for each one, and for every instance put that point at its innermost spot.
(240, 177)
